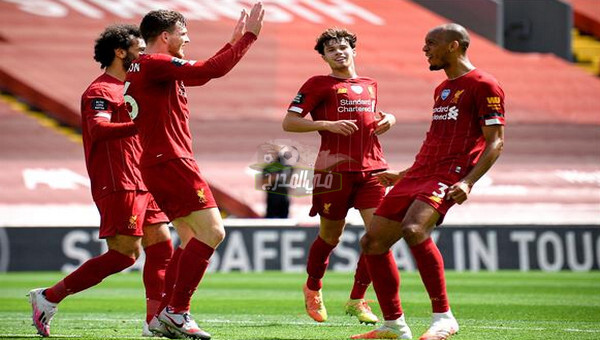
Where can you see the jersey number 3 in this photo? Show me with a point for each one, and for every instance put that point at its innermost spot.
(442, 190)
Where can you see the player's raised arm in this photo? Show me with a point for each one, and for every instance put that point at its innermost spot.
(255, 19)
(173, 68)
(238, 30)
(167, 40)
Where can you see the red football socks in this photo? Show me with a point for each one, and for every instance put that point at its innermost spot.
(89, 274)
(386, 281)
(318, 259)
(157, 259)
(362, 279)
(192, 265)
(431, 267)
(170, 277)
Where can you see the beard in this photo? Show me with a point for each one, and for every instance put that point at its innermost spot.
(439, 63)
(128, 60)
(438, 67)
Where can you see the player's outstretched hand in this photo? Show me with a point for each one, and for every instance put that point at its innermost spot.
(238, 31)
(385, 123)
(459, 192)
(389, 178)
(255, 19)
(342, 127)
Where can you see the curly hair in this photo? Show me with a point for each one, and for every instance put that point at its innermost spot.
(113, 37)
(158, 21)
(336, 34)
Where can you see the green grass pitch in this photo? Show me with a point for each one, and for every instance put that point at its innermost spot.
(501, 305)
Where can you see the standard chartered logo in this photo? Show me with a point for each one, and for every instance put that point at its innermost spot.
(453, 114)
(356, 105)
(445, 113)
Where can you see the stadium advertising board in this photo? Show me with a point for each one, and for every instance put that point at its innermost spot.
(255, 249)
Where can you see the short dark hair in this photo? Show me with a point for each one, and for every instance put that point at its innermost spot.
(113, 37)
(456, 32)
(158, 21)
(337, 34)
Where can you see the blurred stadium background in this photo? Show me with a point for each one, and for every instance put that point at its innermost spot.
(538, 208)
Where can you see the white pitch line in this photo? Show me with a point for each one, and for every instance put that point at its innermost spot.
(582, 330)
(336, 324)
(37, 336)
(508, 328)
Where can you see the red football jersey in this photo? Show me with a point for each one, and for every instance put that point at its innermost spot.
(331, 98)
(455, 140)
(112, 148)
(156, 98)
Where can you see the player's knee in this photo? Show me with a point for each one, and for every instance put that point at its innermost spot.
(132, 252)
(413, 233)
(365, 243)
(219, 235)
(332, 239)
(215, 235)
(129, 249)
(369, 245)
(331, 230)
(155, 233)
